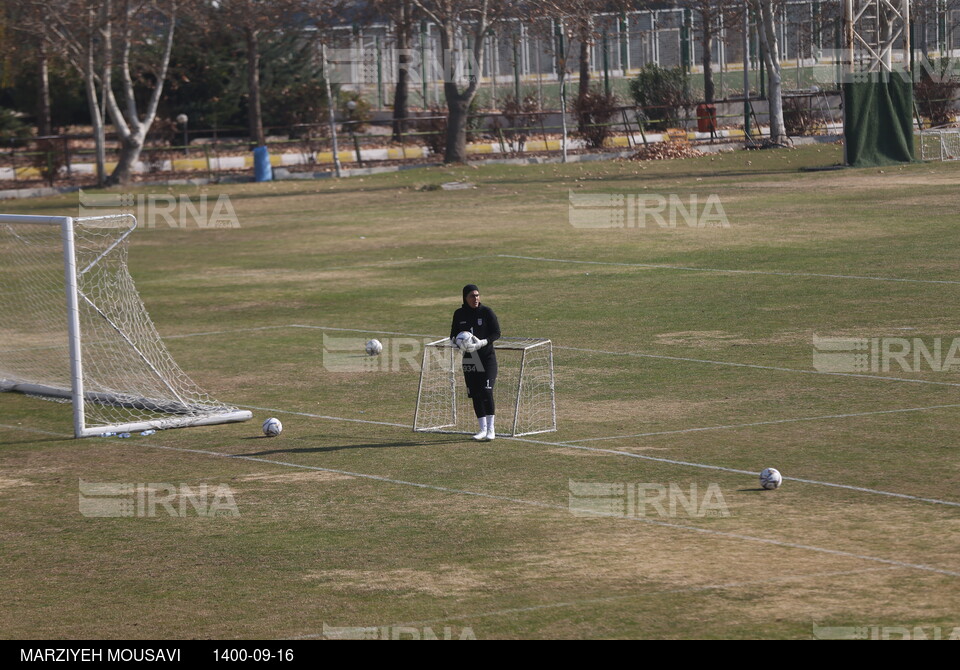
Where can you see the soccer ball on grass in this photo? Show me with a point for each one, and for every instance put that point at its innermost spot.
(373, 347)
(272, 427)
(770, 478)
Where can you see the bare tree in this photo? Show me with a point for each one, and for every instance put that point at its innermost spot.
(74, 29)
(130, 38)
(461, 22)
(20, 19)
(767, 28)
(710, 13)
(403, 16)
(249, 18)
(132, 124)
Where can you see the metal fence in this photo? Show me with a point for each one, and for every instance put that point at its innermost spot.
(521, 56)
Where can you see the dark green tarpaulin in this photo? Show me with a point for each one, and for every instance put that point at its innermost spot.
(878, 122)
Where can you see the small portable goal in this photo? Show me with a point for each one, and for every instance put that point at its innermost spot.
(524, 392)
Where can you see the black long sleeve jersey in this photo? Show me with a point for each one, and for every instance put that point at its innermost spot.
(481, 321)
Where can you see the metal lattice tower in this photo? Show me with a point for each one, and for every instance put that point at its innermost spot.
(871, 29)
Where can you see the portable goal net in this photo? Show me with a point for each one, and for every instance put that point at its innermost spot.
(524, 392)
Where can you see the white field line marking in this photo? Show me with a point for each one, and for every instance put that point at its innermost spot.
(659, 266)
(659, 356)
(567, 508)
(765, 423)
(668, 461)
(758, 367)
(224, 332)
(322, 416)
(596, 601)
(609, 599)
(629, 454)
(547, 506)
(386, 264)
(574, 445)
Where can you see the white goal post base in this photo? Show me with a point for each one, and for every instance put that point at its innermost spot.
(524, 392)
(173, 421)
(74, 329)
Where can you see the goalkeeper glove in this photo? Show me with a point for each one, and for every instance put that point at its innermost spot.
(480, 343)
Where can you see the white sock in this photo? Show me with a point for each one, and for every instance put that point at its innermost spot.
(489, 421)
(483, 423)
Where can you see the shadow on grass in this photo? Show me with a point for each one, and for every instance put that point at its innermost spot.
(39, 440)
(364, 445)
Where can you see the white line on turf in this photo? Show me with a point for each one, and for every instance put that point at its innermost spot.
(758, 367)
(595, 601)
(660, 266)
(565, 508)
(765, 423)
(224, 332)
(629, 454)
(659, 356)
(322, 416)
(618, 452)
(668, 461)
(544, 505)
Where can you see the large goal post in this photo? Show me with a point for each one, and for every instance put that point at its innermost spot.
(74, 329)
(524, 391)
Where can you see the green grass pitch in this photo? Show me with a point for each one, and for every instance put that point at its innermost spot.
(687, 350)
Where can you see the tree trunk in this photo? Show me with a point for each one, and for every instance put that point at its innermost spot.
(458, 103)
(44, 121)
(709, 91)
(255, 115)
(93, 102)
(96, 120)
(130, 148)
(401, 92)
(584, 81)
(771, 49)
(458, 106)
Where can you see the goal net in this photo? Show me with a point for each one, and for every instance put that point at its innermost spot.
(940, 144)
(524, 392)
(73, 328)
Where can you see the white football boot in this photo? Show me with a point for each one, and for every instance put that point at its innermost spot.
(482, 435)
(491, 433)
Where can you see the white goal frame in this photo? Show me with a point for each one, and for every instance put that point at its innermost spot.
(442, 393)
(939, 144)
(181, 413)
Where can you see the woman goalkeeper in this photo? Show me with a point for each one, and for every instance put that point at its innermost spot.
(479, 359)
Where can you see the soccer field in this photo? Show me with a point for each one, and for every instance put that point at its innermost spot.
(685, 363)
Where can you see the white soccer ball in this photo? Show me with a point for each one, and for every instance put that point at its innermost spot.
(272, 427)
(373, 347)
(771, 478)
(464, 339)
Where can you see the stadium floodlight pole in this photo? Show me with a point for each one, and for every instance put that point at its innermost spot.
(330, 110)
